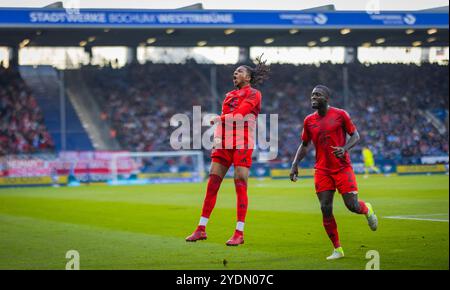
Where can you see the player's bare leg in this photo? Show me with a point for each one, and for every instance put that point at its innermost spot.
(360, 207)
(240, 182)
(329, 223)
(366, 172)
(216, 175)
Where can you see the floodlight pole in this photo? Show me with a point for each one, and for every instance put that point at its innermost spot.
(14, 57)
(425, 55)
(244, 55)
(213, 85)
(345, 85)
(132, 55)
(62, 110)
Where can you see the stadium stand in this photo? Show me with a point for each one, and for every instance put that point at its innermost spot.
(384, 100)
(139, 100)
(22, 128)
(44, 83)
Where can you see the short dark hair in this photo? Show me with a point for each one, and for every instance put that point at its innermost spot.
(325, 89)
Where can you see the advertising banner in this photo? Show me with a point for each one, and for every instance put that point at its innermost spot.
(29, 17)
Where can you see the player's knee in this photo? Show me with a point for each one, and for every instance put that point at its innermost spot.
(352, 206)
(327, 209)
(240, 178)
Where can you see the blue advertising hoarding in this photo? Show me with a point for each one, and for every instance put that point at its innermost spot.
(216, 19)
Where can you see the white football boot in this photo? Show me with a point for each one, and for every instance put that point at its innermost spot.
(337, 254)
(371, 217)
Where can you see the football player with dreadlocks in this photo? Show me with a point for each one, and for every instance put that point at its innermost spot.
(234, 147)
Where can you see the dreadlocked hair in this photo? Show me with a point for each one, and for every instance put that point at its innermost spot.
(259, 73)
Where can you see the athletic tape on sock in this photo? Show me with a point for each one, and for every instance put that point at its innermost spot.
(203, 221)
(240, 226)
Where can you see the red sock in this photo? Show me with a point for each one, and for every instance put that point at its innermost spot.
(201, 228)
(363, 207)
(330, 226)
(242, 199)
(214, 182)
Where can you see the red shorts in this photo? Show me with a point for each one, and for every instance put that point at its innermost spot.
(238, 157)
(344, 181)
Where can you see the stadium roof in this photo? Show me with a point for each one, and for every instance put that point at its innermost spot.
(109, 27)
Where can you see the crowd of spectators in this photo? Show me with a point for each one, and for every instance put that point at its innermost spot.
(139, 101)
(385, 101)
(22, 128)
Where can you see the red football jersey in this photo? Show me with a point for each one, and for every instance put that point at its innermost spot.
(240, 102)
(324, 132)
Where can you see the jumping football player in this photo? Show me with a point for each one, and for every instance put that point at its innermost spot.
(243, 101)
(328, 128)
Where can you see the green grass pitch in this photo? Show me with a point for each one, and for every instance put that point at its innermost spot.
(143, 227)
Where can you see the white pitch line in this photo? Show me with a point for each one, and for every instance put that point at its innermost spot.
(414, 217)
(429, 214)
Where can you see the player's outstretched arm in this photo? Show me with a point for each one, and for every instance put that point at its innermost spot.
(301, 153)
